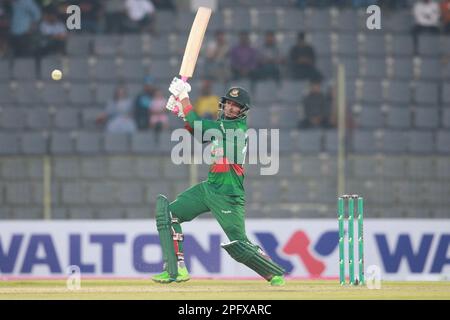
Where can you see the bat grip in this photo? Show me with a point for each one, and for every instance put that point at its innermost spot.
(175, 110)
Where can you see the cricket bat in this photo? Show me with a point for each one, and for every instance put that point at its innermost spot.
(194, 42)
(193, 45)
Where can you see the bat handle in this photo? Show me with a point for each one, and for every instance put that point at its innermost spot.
(175, 110)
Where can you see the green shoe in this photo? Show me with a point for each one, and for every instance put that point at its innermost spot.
(164, 277)
(277, 281)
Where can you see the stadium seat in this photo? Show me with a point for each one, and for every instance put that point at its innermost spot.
(421, 142)
(398, 92)
(105, 69)
(394, 141)
(143, 142)
(116, 143)
(398, 22)
(426, 93)
(446, 93)
(318, 20)
(161, 18)
(393, 167)
(24, 69)
(88, 142)
(429, 45)
(13, 119)
(331, 141)
(446, 118)
(292, 92)
(160, 46)
(372, 91)
(374, 46)
(321, 42)
(80, 94)
(421, 168)
(131, 46)
(443, 141)
(310, 141)
(402, 45)
(267, 20)
(106, 45)
(241, 20)
(403, 69)
(79, 45)
(265, 92)
(9, 143)
(364, 142)
(104, 92)
(296, 191)
(27, 93)
(259, 120)
(398, 118)
(442, 165)
(133, 70)
(5, 74)
(33, 143)
(6, 93)
(285, 117)
(409, 193)
(54, 94)
(347, 45)
(374, 68)
(347, 21)
(371, 117)
(38, 119)
(88, 118)
(426, 118)
(47, 65)
(77, 69)
(430, 69)
(61, 143)
(364, 167)
(351, 67)
(65, 118)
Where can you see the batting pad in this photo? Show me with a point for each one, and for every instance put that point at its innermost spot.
(163, 224)
(254, 258)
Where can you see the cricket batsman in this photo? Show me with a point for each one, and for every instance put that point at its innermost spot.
(222, 194)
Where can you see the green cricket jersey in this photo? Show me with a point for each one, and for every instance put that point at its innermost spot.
(226, 174)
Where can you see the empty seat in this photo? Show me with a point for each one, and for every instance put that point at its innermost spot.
(61, 143)
(310, 141)
(443, 141)
(160, 69)
(371, 118)
(47, 65)
(65, 118)
(351, 66)
(409, 193)
(372, 92)
(131, 46)
(33, 143)
(6, 93)
(104, 92)
(421, 167)
(402, 45)
(161, 18)
(364, 142)
(297, 191)
(54, 93)
(116, 142)
(374, 68)
(331, 142)
(364, 167)
(89, 118)
(88, 142)
(347, 21)
(259, 120)
(393, 167)
(321, 42)
(143, 142)
(446, 93)
(403, 69)
(80, 94)
(28, 93)
(38, 119)
(285, 118)
(318, 20)
(292, 91)
(133, 70)
(446, 118)
(426, 93)
(4, 70)
(13, 118)
(398, 118)
(270, 192)
(398, 92)
(429, 45)
(398, 21)
(394, 141)
(421, 142)
(79, 45)
(427, 118)
(292, 20)
(430, 69)
(267, 20)
(264, 92)
(241, 20)
(105, 69)
(24, 69)
(160, 46)
(106, 45)
(77, 69)
(374, 45)
(347, 45)
(9, 143)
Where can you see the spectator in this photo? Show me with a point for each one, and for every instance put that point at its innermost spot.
(270, 58)
(53, 34)
(143, 103)
(303, 59)
(140, 14)
(216, 66)
(244, 59)
(158, 112)
(317, 107)
(426, 16)
(25, 18)
(445, 14)
(114, 16)
(118, 113)
(206, 105)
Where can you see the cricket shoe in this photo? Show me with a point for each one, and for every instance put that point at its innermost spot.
(277, 281)
(164, 277)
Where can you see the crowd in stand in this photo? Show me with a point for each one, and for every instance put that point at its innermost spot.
(37, 28)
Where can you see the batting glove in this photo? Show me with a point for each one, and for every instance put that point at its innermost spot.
(179, 88)
(175, 107)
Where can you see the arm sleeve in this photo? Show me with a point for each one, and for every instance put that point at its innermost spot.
(192, 117)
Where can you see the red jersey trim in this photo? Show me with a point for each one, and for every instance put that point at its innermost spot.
(187, 109)
(222, 165)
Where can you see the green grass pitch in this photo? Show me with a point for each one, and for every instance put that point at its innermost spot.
(197, 289)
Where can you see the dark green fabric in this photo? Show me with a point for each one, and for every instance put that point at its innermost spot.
(254, 258)
(163, 224)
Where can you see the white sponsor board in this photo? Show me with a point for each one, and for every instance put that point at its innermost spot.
(402, 249)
